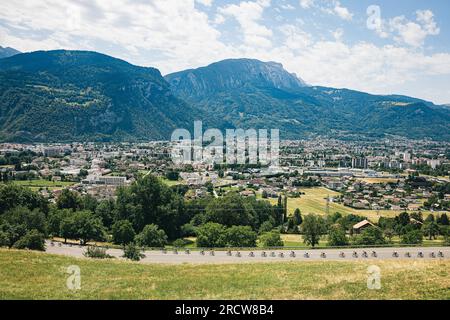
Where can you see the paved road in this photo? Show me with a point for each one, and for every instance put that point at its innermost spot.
(195, 257)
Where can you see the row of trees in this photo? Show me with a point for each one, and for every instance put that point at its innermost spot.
(149, 213)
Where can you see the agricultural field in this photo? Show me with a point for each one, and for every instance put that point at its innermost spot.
(314, 201)
(38, 184)
(35, 275)
(377, 180)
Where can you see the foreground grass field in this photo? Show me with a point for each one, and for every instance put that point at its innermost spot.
(32, 275)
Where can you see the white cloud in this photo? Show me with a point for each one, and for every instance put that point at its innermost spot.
(362, 66)
(287, 7)
(170, 34)
(306, 4)
(413, 33)
(207, 3)
(295, 38)
(338, 34)
(333, 7)
(249, 14)
(341, 11)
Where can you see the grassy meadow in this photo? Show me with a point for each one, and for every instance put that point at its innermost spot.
(34, 275)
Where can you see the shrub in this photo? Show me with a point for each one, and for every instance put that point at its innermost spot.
(179, 243)
(33, 240)
(133, 252)
(96, 253)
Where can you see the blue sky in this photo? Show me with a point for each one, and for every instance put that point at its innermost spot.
(405, 49)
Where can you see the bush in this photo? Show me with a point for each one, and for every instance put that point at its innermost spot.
(152, 236)
(271, 239)
(33, 240)
(123, 232)
(96, 253)
(133, 252)
(179, 243)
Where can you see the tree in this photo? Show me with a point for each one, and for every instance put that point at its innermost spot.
(229, 210)
(337, 236)
(211, 235)
(152, 236)
(389, 234)
(83, 173)
(443, 220)
(172, 175)
(83, 226)
(271, 239)
(312, 227)
(370, 236)
(68, 200)
(403, 219)
(68, 228)
(266, 227)
(149, 201)
(88, 227)
(240, 236)
(105, 211)
(33, 240)
(412, 237)
(123, 232)
(298, 219)
(431, 229)
(12, 195)
(430, 218)
(4, 239)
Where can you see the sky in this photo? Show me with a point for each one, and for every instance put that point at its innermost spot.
(376, 46)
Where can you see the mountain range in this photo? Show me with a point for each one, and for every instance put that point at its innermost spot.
(7, 52)
(49, 96)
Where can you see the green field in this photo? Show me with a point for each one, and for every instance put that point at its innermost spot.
(314, 201)
(38, 184)
(31, 275)
(171, 182)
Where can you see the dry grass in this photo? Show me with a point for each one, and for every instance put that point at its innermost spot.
(31, 275)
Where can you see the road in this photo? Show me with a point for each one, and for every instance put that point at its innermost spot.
(219, 257)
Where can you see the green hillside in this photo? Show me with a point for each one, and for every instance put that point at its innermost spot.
(77, 95)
